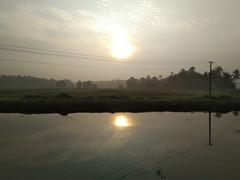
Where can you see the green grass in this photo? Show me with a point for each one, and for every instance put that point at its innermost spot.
(130, 93)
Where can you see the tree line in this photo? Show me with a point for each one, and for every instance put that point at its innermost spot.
(185, 79)
(29, 82)
(188, 79)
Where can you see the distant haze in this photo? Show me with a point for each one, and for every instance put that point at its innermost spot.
(157, 36)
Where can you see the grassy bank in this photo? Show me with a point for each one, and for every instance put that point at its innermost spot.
(70, 101)
(17, 94)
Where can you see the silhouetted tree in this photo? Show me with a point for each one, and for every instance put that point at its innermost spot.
(182, 70)
(219, 70)
(79, 84)
(227, 76)
(61, 84)
(8, 82)
(189, 79)
(132, 82)
(64, 84)
(88, 85)
(236, 75)
(191, 69)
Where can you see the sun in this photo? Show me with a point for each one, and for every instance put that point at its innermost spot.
(121, 46)
(122, 49)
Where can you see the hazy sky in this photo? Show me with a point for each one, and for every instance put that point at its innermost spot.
(156, 36)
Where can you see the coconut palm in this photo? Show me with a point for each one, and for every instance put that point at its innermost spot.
(219, 70)
(236, 75)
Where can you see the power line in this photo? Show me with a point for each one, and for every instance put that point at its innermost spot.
(72, 65)
(81, 56)
(51, 54)
(68, 54)
(41, 49)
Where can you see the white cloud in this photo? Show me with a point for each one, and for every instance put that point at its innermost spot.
(48, 24)
(34, 20)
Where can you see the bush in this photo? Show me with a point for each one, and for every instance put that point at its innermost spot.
(224, 97)
(209, 97)
(63, 96)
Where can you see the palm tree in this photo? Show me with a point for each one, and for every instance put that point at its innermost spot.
(236, 75)
(219, 70)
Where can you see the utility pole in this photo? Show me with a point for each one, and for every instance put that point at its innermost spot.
(210, 129)
(210, 78)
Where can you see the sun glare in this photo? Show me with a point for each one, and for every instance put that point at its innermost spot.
(122, 49)
(121, 46)
(121, 121)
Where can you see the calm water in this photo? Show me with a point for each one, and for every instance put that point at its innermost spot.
(119, 146)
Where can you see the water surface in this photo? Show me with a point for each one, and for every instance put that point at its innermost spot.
(119, 146)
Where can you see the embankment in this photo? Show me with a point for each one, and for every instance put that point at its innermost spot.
(73, 105)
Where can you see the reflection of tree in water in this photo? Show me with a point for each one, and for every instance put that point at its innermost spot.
(218, 115)
(235, 113)
(160, 173)
(227, 129)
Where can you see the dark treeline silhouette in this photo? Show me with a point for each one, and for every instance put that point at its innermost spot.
(63, 84)
(29, 82)
(113, 84)
(188, 79)
(85, 85)
(185, 79)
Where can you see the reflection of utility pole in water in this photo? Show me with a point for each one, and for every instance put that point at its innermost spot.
(210, 78)
(210, 128)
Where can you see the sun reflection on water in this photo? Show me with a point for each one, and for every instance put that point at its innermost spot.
(122, 121)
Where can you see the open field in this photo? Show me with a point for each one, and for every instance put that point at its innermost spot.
(106, 100)
(112, 93)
